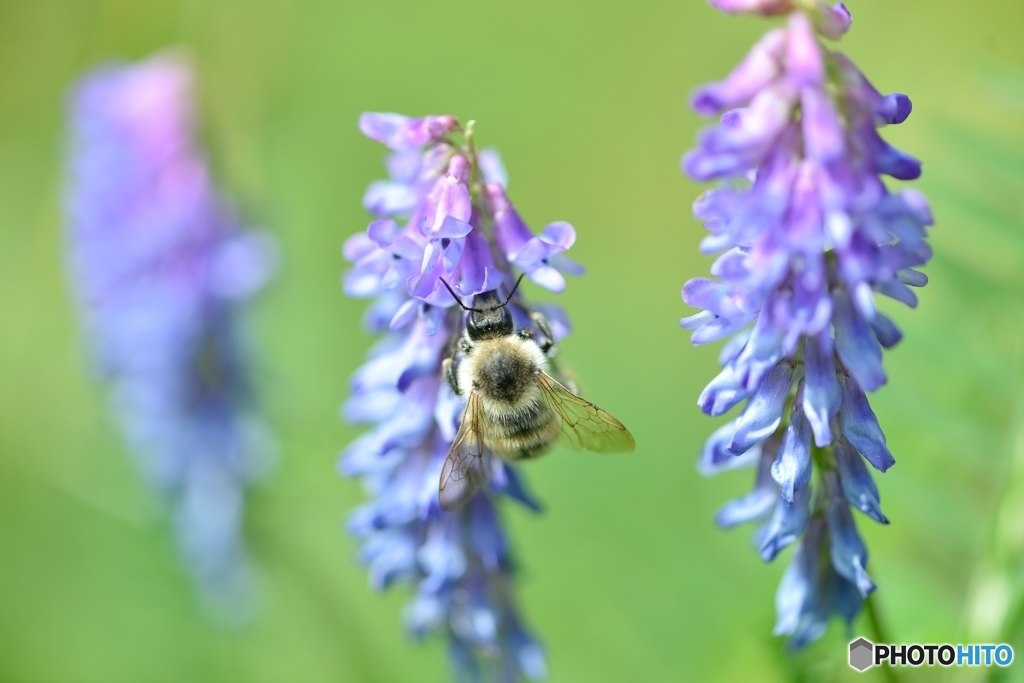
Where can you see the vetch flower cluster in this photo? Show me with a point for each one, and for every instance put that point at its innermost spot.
(161, 269)
(810, 233)
(443, 214)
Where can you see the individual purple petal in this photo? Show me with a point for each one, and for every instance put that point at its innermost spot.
(894, 289)
(787, 523)
(912, 277)
(894, 108)
(758, 502)
(803, 57)
(885, 329)
(893, 162)
(402, 132)
(798, 588)
(525, 652)
(389, 561)
(452, 228)
(751, 506)
(857, 484)
(822, 394)
(711, 296)
(860, 426)
(404, 167)
(731, 349)
(510, 231)
(486, 537)
(559, 234)
(849, 555)
(833, 21)
(386, 198)
(763, 413)
(357, 246)
(492, 167)
(564, 264)
(475, 272)
(856, 345)
(823, 134)
(715, 328)
(762, 351)
(744, 137)
(917, 204)
(792, 467)
(757, 70)
(452, 198)
(715, 457)
(698, 320)
(382, 232)
(723, 392)
(548, 278)
(516, 489)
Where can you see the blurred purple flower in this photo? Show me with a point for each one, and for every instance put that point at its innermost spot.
(161, 268)
(809, 233)
(434, 211)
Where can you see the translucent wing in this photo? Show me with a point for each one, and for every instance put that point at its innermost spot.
(464, 471)
(584, 425)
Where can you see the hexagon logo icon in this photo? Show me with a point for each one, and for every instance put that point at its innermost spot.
(861, 651)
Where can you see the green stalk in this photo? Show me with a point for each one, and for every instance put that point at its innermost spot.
(878, 635)
(995, 598)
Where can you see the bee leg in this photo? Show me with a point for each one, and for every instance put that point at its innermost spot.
(547, 344)
(448, 370)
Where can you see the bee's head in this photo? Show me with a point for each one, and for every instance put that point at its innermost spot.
(489, 317)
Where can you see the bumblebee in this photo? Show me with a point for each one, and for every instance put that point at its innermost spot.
(514, 407)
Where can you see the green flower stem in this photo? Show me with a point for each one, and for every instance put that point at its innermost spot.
(879, 635)
(995, 598)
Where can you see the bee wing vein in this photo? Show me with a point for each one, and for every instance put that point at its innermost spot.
(464, 471)
(585, 425)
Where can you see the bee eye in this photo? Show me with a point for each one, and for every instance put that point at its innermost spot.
(506, 324)
(473, 328)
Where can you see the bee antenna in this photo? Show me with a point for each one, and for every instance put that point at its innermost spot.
(457, 299)
(514, 288)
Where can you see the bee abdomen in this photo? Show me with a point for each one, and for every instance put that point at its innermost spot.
(524, 436)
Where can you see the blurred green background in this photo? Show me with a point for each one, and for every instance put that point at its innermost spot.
(624, 576)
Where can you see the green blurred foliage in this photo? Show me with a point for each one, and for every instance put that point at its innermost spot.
(624, 576)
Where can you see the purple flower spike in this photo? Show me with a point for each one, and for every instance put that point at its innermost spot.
(162, 268)
(444, 218)
(808, 234)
